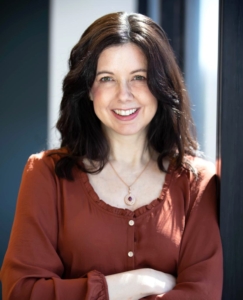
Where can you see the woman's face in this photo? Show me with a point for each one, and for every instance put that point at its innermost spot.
(120, 94)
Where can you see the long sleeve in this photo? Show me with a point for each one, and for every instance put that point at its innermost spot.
(32, 268)
(199, 271)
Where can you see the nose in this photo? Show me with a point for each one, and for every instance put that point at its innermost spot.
(124, 93)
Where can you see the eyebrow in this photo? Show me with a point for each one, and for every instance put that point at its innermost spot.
(104, 72)
(139, 70)
(108, 72)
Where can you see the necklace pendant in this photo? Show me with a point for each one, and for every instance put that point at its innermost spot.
(129, 199)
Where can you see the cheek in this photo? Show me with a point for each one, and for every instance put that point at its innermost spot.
(98, 94)
(153, 106)
(100, 103)
(151, 100)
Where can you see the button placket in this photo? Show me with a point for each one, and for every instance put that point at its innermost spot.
(130, 243)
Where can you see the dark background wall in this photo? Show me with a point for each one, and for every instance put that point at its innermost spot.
(230, 144)
(23, 97)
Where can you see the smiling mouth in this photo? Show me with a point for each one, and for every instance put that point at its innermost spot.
(127, 112)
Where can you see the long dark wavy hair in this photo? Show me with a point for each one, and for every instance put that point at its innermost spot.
(171, 132)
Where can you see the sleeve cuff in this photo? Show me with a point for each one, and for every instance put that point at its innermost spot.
(97, 288)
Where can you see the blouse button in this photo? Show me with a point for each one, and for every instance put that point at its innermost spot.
(131, 222)
(130, 254)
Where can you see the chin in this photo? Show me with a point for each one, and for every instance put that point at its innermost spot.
(125, 130)
(131, 132)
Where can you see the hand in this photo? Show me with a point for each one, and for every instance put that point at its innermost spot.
(158, 282)
(139, 283)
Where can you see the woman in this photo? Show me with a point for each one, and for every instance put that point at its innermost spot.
(125, 209)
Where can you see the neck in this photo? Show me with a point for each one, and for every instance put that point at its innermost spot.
(130, 150)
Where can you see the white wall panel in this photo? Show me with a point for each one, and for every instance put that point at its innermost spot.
(201, 67)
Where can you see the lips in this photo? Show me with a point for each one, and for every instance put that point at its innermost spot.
(127, 112)
(125, 115)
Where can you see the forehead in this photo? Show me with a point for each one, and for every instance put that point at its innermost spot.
(122, 55)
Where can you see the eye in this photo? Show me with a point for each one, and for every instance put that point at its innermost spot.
(139, 77)
(106, 79)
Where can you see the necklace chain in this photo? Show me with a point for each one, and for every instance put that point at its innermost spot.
(129, 186)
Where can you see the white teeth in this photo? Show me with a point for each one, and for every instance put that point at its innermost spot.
(125, 112)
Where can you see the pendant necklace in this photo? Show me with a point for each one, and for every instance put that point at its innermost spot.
(129, 198)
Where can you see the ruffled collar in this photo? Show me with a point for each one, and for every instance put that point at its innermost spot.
(126, 212)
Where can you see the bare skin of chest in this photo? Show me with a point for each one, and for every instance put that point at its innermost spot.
(112, 190)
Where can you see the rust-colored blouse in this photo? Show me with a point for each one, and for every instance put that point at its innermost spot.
(65, 239)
